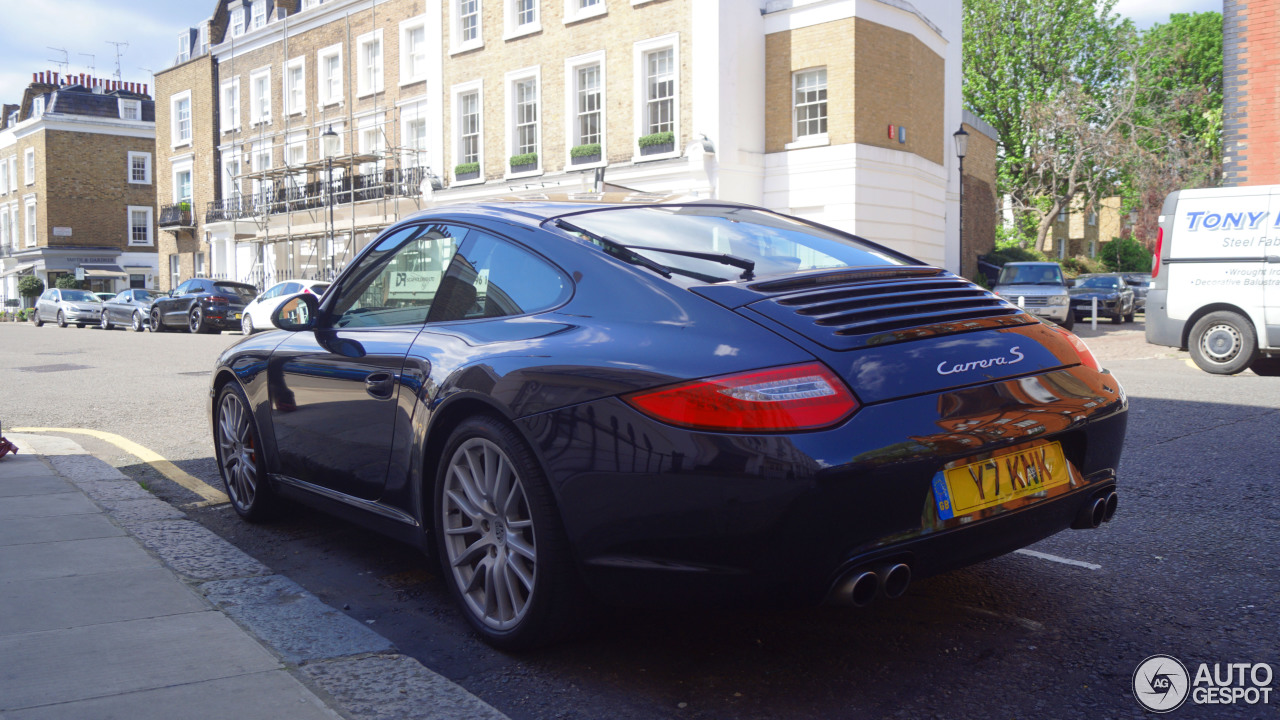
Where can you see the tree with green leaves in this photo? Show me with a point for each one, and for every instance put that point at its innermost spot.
(1053, 78)
(67, 282)
(30, 286)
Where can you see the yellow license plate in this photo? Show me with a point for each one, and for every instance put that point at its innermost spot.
(995, 481)
(237, 317)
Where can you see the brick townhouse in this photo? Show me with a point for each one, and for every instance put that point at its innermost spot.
(841, 111)
(76, 185)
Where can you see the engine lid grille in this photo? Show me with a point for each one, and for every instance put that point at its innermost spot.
(884, 311)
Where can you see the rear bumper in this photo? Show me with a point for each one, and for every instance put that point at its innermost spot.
(659, 515)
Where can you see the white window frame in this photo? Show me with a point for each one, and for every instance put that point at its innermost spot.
(151, 233)
(146, 166)
(237, 24)
(29, 166)
(259, 14)
(202, 38)
(455, 93)
(574, 10)
(296, 141)
(456, 43)
(513, 28)
(411, 113)
(260, 101)
(407, 28)
(4, 177)
(641, 88)
(31, 221)
(175, 271)
(231, 184)
(515, 76)
(571, 67)
(184, 46)
(291, 107)
(174, 100)
(262, 157)
(5, 238)
(368, 83)
(175, 187)
(229, 109)
(372, 126)
(126, 104)
(324, 81)
(13, 174)
(816, 139)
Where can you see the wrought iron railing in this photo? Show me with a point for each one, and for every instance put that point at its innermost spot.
(176, 215)
(399, 182)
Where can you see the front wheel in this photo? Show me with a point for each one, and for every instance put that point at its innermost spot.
(62, 319)
(240, 462)
(156, 325)
(1070, 322)
(1223, 343)
(138, 323)
(503, 551)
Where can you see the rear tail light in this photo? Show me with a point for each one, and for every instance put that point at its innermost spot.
(1086, 355)
(219, 300)
(1155, 259)
(796, 397)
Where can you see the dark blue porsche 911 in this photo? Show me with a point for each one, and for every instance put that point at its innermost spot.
(626, 400)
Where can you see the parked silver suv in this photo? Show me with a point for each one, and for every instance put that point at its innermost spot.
(1039, 287)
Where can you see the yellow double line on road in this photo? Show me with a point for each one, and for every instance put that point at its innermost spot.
(148, 456)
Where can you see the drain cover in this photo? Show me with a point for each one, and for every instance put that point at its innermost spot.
(62, 367)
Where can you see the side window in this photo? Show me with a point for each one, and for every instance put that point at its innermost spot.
(274, 292)
(184, 288)
(396, 283)
(491, 277)
(291, 289)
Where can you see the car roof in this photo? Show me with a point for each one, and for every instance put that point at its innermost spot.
(537, 209)
(1031, 262)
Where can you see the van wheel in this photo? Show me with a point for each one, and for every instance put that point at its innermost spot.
(1266, 366)
(1223, 343)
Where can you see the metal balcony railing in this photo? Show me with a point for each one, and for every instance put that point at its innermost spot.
(177, 215)
(400, 182)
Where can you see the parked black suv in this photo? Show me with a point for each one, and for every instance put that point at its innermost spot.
(202, 305)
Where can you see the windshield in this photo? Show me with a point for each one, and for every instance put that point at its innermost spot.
(244, 292)
(1100, 283)
(772, 244)
(1030, 275)
(80, 296)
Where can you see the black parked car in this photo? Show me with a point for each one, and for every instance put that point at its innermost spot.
(1138, 283)
(640, 402)
(1115, 299)
(129, 307)
(202, 305)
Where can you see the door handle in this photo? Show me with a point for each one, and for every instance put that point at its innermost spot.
(380, 385)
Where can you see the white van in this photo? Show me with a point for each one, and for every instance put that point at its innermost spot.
(1216, 279)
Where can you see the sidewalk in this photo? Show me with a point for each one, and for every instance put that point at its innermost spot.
(113, 604)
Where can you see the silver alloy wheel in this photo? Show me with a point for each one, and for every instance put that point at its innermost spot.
(488, 534)
(246, 325)
(104, 321)
(137, 322)
(1221, 343)
(237, 455)
(197, 320)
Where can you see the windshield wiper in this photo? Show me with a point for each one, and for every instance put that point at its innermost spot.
(748, 267)
(617, 249)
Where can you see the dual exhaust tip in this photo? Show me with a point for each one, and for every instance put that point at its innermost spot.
(861, 587)
(1093, 514)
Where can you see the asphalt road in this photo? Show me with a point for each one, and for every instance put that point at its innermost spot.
(1187, 568)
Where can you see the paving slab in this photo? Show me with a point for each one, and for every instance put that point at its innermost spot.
(293, 621)
(34, 485)
(29, 530)
(72, 557)
(84, 467)
(196, 552)
(396, 688)
(259, 696)
(106, 491)
(23, 465)
(114, 658)
(77, 601)
(69, 503)
(146, 510)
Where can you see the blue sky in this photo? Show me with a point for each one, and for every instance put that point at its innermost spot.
(151, 27)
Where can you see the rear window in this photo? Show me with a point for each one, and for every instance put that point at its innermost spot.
(775, 244)
(245, 292)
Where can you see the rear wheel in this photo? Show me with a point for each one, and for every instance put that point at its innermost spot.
(35, 318)
(195, 321)
(240, 460)
(105, 321)
(138, 323)
(1223, 343)
(502, 548)
(156, 324)
(246, 325)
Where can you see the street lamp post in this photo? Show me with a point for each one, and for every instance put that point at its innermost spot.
(962, 148)
(328, 166)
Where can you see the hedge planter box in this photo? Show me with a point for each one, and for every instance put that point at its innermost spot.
(658, 149)
(528, 162)
(464, 176)
(524, 168)
(585, 159)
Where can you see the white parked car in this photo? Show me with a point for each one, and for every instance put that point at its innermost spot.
(77, 307)
(257, 314)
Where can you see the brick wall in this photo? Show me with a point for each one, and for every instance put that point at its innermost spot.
(198, 76)
(981, 206)
(1251, 81)
(615, 33)
(87, 188)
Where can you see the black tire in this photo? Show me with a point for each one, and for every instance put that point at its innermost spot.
(1117, 318)
(35, 318)
(195, 321)
(157, 325)
(1129, 318)
(138, 323)
(545, 586)
(1070, 322)
(1266, 366)
(1223, 343)
(237, 447)
(62, 319)
(246, 325)
(105, 321)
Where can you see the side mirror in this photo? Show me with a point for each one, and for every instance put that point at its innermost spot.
(297, 313)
